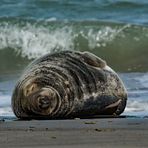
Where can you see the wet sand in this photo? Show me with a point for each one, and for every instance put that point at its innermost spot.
(94, 133)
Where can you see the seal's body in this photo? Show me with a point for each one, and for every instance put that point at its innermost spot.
(67, 85)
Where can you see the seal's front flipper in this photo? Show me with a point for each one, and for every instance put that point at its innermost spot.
(115, 108)
(93, 60)
(121, 107)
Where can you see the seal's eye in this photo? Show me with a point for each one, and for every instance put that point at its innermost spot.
(44, 102)
(30, 89)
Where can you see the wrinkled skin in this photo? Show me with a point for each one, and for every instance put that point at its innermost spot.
(67, 85)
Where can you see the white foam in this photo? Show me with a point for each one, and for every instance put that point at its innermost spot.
(5, 106)
(5, 100)
(6, 111)
(31, 41)
(103, 36)
(143, 80)
(51, 19)
(136, 107)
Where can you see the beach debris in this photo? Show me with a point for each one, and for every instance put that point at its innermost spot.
(104, 129)
(46, 129)
(31, 128)
(53, 137)
(2, 120)
(90, 122)
(77, 118)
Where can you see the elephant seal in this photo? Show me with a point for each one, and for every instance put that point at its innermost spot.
(68, 84)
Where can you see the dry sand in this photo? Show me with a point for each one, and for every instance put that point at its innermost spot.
(93, 133)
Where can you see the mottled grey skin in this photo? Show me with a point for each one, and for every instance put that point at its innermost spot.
(67, 85)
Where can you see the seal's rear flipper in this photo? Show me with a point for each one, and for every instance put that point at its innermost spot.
(93, 60)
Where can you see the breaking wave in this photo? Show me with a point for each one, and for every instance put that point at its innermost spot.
(23, 40)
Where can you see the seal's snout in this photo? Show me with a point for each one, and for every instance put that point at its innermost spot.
(44, 102)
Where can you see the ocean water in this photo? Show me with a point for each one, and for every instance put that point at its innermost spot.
(115, 30)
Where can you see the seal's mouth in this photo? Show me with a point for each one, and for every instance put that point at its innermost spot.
(44, 102)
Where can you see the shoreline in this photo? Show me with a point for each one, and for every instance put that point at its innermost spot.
(98, 132)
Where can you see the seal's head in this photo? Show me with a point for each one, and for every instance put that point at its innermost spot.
(36, 101)
(42, 101)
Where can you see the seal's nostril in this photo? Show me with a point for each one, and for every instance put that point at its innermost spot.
(44, 102)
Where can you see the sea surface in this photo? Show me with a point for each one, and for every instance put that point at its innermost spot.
(115, 30)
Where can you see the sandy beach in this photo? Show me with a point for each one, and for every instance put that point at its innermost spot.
(102, 132)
